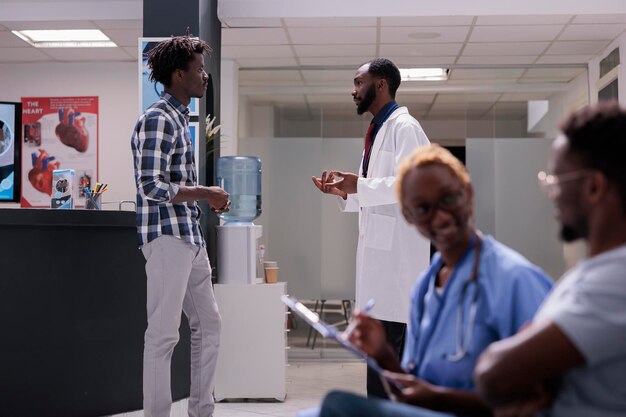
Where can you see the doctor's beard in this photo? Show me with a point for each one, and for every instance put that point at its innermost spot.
(366, 102)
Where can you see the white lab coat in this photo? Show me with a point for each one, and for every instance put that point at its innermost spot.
(391, 254)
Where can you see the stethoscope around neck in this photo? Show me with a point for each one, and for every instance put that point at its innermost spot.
(462, 341)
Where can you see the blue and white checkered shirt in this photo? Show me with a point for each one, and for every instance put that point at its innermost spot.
(164, 160)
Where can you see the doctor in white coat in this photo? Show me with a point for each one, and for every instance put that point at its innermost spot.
(390, 255)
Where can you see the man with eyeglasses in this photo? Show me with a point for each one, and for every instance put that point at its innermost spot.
(475, 292)
(572, 360)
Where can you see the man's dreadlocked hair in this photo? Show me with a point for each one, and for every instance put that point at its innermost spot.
(172, 54)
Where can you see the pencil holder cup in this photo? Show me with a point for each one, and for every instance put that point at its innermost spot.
(93, 203)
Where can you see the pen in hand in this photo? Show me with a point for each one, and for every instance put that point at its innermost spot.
(368, 306)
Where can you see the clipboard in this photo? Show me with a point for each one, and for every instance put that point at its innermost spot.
(329, 332)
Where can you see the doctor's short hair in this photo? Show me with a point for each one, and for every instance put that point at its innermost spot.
(597, 136)
(173, 54)
(431, 155)
(387, 70)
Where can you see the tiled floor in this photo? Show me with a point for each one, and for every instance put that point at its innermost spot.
(307, 382)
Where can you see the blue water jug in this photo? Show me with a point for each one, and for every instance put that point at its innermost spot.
(240, 177)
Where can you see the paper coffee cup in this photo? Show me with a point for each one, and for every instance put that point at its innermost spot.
(271, 274)
(270, 264)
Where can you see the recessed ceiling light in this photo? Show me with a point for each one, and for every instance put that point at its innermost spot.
(424, 74)
(73, 38)
(424, 35)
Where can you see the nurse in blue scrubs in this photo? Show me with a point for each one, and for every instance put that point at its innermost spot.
(475, 292)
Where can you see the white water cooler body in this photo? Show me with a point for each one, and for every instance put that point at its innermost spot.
(237, 246)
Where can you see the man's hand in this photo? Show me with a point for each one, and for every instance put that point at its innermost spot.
(337, 183)
(217, 199)
(343, 181)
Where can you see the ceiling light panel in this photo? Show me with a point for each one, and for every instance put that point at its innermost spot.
(72, 38)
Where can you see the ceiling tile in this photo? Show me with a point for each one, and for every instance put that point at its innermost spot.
(243, 22)
(422, 49)
(486, 73)
(546, 80)
(257, 51)
(606, 31)
(9, 40)
(46, 24)
(132, 51)
(348, 61)
(601, 18)
(565, 59)
(515, 33)
(270, 75)
(266, 62)
(556, 73)
(119, 24)
(467, 98)
(576, 47)
(414, 35)
(88, 54)
(22, 55)
(334, 50)
(525, 96)
(522, 20)
(508, 48)
(415, 61)
(340, 22)
(254, 36)
(499, 60)
(316, 76)
(124, 37)
(308, 36)
(421, 21)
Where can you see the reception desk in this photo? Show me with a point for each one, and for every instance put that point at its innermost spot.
(72, 314)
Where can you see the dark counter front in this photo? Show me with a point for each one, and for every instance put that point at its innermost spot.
(73, 315)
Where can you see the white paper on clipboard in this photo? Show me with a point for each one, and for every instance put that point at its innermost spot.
(330, 332)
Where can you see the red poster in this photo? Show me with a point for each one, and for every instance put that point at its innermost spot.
(59, 133)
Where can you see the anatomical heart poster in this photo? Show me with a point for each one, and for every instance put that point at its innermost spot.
(59, 133)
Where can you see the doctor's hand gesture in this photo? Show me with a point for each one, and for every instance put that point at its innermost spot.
(336, 183)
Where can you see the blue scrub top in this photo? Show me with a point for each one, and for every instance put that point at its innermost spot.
(510, 292)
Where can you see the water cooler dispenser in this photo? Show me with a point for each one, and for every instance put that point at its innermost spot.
(237, 239)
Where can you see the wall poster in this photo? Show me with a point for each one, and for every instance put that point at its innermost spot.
(59, 133)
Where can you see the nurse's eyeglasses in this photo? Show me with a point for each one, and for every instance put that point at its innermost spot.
(462, 343)
(425, 211)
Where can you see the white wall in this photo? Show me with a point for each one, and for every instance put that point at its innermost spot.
(509, 203)
(116, 86)
(303, 230)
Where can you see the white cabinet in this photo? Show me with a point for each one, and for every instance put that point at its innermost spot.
(252, 355)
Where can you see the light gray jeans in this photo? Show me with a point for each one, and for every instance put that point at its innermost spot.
(179, 280)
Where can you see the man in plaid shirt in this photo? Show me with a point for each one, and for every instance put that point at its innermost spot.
(177, 264)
